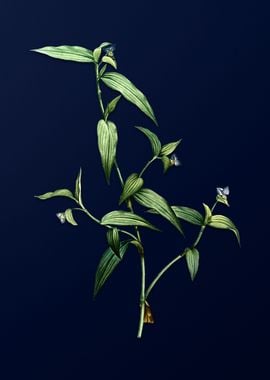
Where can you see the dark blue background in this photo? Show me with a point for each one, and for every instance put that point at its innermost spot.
(204, 67)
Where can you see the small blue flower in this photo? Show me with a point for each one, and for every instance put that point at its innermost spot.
(174, 160)
(223, 191)
(109, 50)
(61, 216)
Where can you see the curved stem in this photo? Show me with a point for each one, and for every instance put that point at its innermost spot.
(147, 165)
(99, 91)
(83, 209)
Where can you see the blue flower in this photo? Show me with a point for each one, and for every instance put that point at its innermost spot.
(223, 191)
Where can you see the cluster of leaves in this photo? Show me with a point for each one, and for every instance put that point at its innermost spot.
(133, 189)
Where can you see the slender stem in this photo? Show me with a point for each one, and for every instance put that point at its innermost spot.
(119, 173)
(83, 209)
(177, 258)
(147, 165)
(142, 298)
(153, 283)
(99, 91)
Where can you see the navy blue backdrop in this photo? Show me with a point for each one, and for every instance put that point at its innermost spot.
(204, 67)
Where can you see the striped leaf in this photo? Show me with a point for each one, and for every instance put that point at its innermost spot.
(189, 215)
(110, 61)
(154, 140)
(192, 259)
(208, 214)
(69, 217)
(107, 143)
(151, 199)
(67, 53)
(166, 163)
(107, 265)
(113, 240)
(130, 92)
(131, 186)
(222, 222)
(125, 218)
(57, 193)
(111, 106)
(169, 148)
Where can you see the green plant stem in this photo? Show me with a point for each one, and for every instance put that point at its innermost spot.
(147, 165)
(99, 91)
(119, 173)
(142, 298)
(177, 258)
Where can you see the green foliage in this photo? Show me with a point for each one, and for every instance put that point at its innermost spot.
(115, 222)
(130, 92)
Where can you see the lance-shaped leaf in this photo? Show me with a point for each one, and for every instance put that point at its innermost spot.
(138, 245)
(107, 265)
(57, 193)
(96, 54)
(154, 140)
(113, 240)
(151, 199)
(208, 214)
(69, 217)
(222, 199)
(110, 61)
(189, 215)
(111, 106)
(67, 53)
(102, 71)
(222, 222)
(133, 184)
(125, 218)
(192, 259)
(169, 148)
(130, 92)
(107, 143)
(78, 187)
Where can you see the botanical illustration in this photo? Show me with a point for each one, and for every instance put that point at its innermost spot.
(124, 227)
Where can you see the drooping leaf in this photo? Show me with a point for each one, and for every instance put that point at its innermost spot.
(151, 199)
(107, 265)
(222, 222)
(131, 186)
(192, 259)
(68, 53)
(111, 106)
(113, 240)
(69, 217)
(130, 92)
(208, 214)
(189, 215)
(154, 140)
(78, 187)
(57, 193)
(104, 44)
(169, 148)
(166, 163)
(125, 218)
(110, 61)
(107, 143)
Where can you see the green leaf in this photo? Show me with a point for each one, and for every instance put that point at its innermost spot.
(192, 259)
(222, 222)
(154, 140)
(189, 215)
(104, 44)
(68, 53)
(130, 92)
(111, 106)
(96, 54)
(78, 187)
(113, 240)
(107, 143)
(131, 186)
(125, 218)
(57, 193)
(150, 198)
(166, 163)
(107, 265)
(110, 61)
(102, 71)
(208, 214)
(169, 148)
(69, 217)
